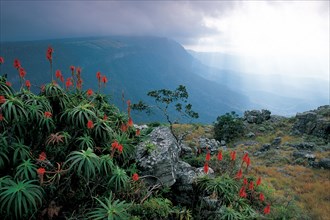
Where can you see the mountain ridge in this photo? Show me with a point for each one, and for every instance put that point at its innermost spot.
(134, 65)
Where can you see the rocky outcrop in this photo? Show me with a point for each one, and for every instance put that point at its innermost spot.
(256, 116)
(162, 159)
(163, 164)
(315, 122)
(210, 144)
(304, 154)
(303, 146)
(324, 163)
(276, 142)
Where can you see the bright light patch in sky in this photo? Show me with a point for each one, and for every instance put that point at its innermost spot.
(273, 37)
(290, 38)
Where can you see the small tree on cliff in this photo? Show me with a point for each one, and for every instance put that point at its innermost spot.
(228, 127)
(172, 103)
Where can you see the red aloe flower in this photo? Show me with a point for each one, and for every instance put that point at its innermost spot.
(267, 209)
(42, 88)
(206, 167)
(8, 83)
(137, 132)
(104, 79)
(258, 181)
(262, 197)
(1, 117)
(48, 114)
(28, 84)
(42, 156)
(68, 82)
(248, 162)
(246, 155)
(2, 60)
(239, 174)
(105, 117)
(17, 64)
(58, 74)
(242, 192)
(245, 182)
(208, 156)
(2, 99)
(21, 72)
(90, 124)
(123, 128)
(220, 155)
(78, 71)
(72, 68)
(89, 92)
(41, 171)
(251, 185)
(135, 177)
(50, 50)
(130, 122)
(98, 76)
(114, 145)
(79, 83)
(233, 155)
(62, 79)
(120, 148)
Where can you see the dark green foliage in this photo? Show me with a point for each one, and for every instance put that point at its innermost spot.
(84, 162)
(172, 103)
(19, 198)
(119, 179)
(49, 138)
(110, 209)
(154, 208)
(228, 127)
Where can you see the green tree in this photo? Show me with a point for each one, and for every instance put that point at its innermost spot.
(172, 103)
(228, 127)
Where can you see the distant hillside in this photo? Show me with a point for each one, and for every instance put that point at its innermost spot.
(281, 95)
(134, 65)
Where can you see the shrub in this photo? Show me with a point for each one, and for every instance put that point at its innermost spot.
(154, 208)
(19, 198)
(110, 209)
(85, 163)
(228, 127)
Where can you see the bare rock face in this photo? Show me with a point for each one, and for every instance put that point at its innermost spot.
(315, 122)
(256, 116)
(159, 155)
(324, 163)
(210, 144)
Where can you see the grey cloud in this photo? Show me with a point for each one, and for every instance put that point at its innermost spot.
(182, 20)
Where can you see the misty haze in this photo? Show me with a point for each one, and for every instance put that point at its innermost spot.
(164, 109)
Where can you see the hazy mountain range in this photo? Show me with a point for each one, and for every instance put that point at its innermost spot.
(136, 65)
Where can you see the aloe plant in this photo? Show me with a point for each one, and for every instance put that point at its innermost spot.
(84, 162)
(3, 156)
(84, 142)
(21, 151)
(110, 209)
(119, 179)
(5, 89)
(222, 186)
(79, 115)
(102, 131)
(106, 164)
(26, 170)
(19, 198)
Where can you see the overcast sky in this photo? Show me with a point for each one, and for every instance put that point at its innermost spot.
(291, 37)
